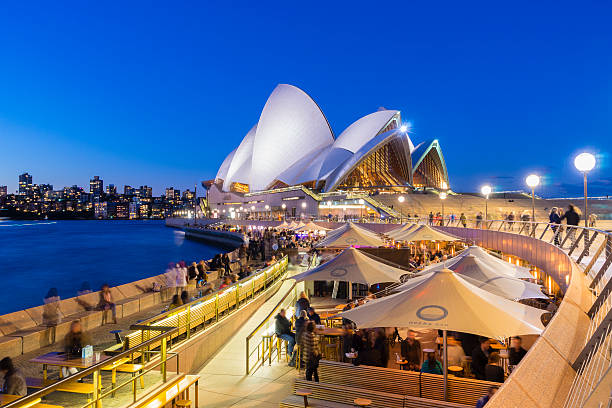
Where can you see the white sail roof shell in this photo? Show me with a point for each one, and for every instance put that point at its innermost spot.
(290, 127)
(293, 143)
(222, 172)
(240, 166)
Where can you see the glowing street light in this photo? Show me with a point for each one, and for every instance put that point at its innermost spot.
(533, 180)
(585, 162)
(403, 128)
(401, 200)
(486, 191)
(442, 196)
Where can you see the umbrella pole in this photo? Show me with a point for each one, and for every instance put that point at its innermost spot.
(445, 364)
(350, 290)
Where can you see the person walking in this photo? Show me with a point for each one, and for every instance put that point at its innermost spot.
(555, 220)
(463, 220)
(431, 218)
(51, 316)
(106, 302)
(572, 218)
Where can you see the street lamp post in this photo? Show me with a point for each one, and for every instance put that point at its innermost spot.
(267, 207)
(585, 162)
(401, 200)
(486, 190)
(533, 181)
(284, 207)
(442, 198)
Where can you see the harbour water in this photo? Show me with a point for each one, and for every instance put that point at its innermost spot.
(38, 255)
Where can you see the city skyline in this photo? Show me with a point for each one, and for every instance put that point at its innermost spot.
(506, 92)
(120, 187)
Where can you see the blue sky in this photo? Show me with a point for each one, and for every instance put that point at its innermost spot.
(158, 93)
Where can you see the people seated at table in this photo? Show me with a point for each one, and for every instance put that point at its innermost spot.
(454, 352)
(431, 365)
(517, 352)
(482, 401)
(301, 304)
(226, 282)
(185, 297)
(411, 351)
(493, 372)
(300, 325)
(310, 354)
(74, 342)
(176, 302)
(282, 329)
(480, 358)
(14, 382)
(314, 316)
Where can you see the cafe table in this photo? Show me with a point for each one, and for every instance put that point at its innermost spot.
(60, 359)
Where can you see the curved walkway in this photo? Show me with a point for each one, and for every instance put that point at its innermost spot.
(223, 382)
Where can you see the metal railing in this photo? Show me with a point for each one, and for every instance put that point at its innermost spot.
(261, 343)
(188, 316)
(96, 370)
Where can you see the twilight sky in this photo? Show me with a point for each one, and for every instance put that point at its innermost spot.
(159, 93)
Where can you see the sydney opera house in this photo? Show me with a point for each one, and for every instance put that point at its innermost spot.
(293, 148)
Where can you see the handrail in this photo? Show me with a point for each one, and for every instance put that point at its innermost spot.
(291, 291)
(95, 370)
(211, 296)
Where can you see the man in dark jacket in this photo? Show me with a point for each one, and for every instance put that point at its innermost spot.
(572, 218)
(314, 316)
(480, 358)
(411, 351)
(282, 329)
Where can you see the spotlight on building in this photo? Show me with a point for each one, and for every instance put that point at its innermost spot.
(403, 128)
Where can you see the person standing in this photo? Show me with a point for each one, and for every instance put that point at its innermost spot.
(493, 372)
(480, 358)
(517, 352)
(463, 220)
(310, 354)
(301, 304)
(411, 351)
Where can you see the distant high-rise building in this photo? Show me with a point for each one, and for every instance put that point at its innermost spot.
(3, 191)
(145, 191)
(25, 184)
(128, 190)
(188, 195)
(43, 188)
(111, 189)
(96, 186)
(172, 194)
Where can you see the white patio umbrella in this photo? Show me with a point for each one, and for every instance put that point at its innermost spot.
(298, 226)
(400, 230)
(311, 226)
(508, 268)
(350, 234)
(283, 225)
(292, 225)
(484, 276)
(445, 301)
(352, 265)
(425, 233)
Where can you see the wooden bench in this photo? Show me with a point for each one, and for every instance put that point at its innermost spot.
(73, 387)
(409, 383)
(123, 366)
(295, 401)
(346, 395)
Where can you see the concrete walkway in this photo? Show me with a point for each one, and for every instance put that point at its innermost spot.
(224, 383)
